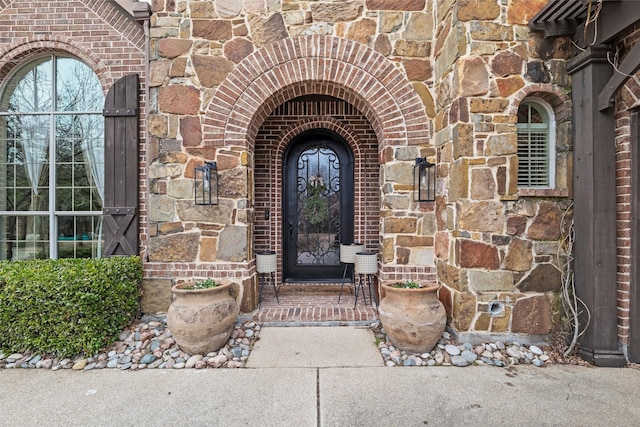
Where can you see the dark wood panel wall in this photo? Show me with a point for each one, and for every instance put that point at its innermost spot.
(595, 208)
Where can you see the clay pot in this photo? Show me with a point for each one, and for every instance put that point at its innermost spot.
(202, 320)
(414, 319)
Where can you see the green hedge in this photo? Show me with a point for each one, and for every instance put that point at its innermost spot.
(67, 306)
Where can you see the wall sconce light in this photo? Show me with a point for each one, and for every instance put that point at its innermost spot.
(424, 180)
(206, 184)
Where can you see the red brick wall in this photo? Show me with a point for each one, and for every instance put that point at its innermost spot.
(626, 100)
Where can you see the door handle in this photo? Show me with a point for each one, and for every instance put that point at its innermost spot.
(290, 230)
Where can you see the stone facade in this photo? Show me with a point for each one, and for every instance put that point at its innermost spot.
(499, 248)
(414, 78)
(437, 79)
(221, 70)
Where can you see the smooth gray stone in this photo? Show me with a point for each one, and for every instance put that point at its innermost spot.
(459, 361)
(469, 356)
(452, 350)
(148, 358)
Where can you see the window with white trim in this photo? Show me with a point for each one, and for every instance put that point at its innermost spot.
(51, 161)
(536, 144)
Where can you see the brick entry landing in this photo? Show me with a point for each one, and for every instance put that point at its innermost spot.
(313, 304)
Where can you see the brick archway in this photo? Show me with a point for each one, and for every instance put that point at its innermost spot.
(554, 95)
(320, 65)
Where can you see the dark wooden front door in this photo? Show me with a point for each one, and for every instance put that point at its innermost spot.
(318, 206)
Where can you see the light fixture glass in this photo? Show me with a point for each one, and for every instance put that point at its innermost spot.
(424, 180)
(206, 184)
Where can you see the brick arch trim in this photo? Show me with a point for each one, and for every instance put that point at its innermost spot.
(25, 50)
(628, 98)
(314, 123)
(554, 95)
(310, 123)
(322, 65)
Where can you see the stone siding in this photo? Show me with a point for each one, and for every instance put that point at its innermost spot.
(499, 248)
(219, 70)
(437, 79)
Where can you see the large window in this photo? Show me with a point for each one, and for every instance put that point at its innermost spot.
(536, 145)
(51, 161)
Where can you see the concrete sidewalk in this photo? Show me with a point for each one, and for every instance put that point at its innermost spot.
(322, 396)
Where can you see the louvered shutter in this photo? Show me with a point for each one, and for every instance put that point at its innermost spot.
(533, 156)
(121, 130)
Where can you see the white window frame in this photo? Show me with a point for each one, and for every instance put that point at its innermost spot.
(52, 214)
(549, 125)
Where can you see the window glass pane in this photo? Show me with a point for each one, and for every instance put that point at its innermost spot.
(523, 113)
(80, 177)
(30, 90)
(534, 115)
(78, 87)
(80, 237)
(64, 174)
(64, 198)
(23, 179)
(76, 142)
(82, 199)
(24, 162)
(24, 237)
(92, 146)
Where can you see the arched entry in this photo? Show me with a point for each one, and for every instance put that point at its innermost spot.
(391, 129)
(318, 205)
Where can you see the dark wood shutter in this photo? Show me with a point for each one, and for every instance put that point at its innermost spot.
(121, 130)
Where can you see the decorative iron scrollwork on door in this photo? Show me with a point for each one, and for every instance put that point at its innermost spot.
(318, 206)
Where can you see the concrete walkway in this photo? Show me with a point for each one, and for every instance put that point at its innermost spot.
(292, 391)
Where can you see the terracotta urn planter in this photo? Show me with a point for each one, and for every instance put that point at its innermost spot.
(413, 318)
(201, 320)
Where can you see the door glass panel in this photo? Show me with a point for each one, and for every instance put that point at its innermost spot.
(318, 204)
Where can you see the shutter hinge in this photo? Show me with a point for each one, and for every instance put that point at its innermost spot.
(119, 211)
(120, 112)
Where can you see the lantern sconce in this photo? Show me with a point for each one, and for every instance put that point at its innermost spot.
(424, 180)
(206, 184)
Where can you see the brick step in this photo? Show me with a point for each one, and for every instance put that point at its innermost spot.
(313, 303)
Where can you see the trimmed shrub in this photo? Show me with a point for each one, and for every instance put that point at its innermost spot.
(67, 306)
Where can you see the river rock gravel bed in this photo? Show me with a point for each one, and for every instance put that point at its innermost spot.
(449, 352)
(148, 344)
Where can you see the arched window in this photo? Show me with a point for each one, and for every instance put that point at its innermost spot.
(51, 161)
(536, 144)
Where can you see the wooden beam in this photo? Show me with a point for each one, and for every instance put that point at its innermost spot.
(558, 18)
(629, 66)
(615, 17)
(595, 257)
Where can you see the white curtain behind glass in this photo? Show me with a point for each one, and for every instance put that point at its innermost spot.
(35, 145)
